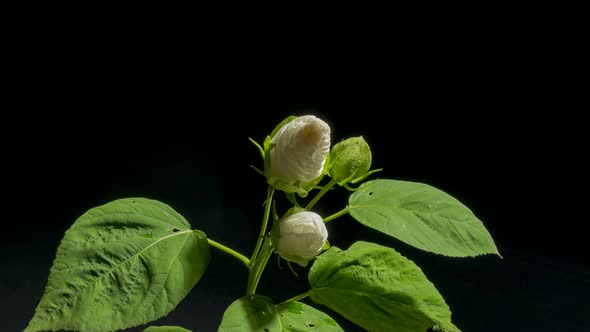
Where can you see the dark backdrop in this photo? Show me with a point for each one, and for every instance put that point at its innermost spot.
(86, 117)
(517, 162)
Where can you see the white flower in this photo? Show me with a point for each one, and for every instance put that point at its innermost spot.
(299, 150)
(300, 237)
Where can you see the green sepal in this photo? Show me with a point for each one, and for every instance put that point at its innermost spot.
(292, 199)
(257, 170)
(359, 179)
(260, 149)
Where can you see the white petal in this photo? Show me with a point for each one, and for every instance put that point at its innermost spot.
(300, 149)
(303, 234)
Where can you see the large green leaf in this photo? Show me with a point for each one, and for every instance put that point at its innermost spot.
(378, 289)
(421, 216)
(258, 313)
(122, 264)
(166, 329)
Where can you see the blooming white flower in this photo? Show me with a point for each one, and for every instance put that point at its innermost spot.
(300, 237)
(299, 151)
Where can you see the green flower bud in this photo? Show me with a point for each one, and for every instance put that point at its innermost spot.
(299, 237)
(296, 155)
(349, 160)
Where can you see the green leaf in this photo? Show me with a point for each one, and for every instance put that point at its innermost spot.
(258, 313)
(250, 313)
(122, 264)
(297, 316)
(421, 216)
(166, 329)
(378, 289)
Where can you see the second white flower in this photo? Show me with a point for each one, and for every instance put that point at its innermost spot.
(300, 237)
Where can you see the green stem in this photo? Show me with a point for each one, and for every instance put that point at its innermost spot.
(321, 193)
(337, 214)
(258, 267)
(230, 251)
(297, 297)
(267, 207)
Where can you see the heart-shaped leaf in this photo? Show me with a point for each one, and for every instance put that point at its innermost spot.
(421, 216)
(122, 264)
(258, 313)
(378, 289)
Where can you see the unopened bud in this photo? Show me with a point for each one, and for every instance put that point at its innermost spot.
(350, 159)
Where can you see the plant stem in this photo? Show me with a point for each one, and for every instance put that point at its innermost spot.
(258, 267)
(321, 193)
(267, 207)
(297, 297)
(230, 251)
(337, 214)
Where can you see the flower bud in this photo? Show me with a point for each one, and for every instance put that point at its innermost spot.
(350, 159)
(298, 153)
(299, 237)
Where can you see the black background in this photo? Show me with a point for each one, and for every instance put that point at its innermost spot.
(508, 142)
(192, 153)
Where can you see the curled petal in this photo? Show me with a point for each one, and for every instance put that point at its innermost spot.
(299, 150)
